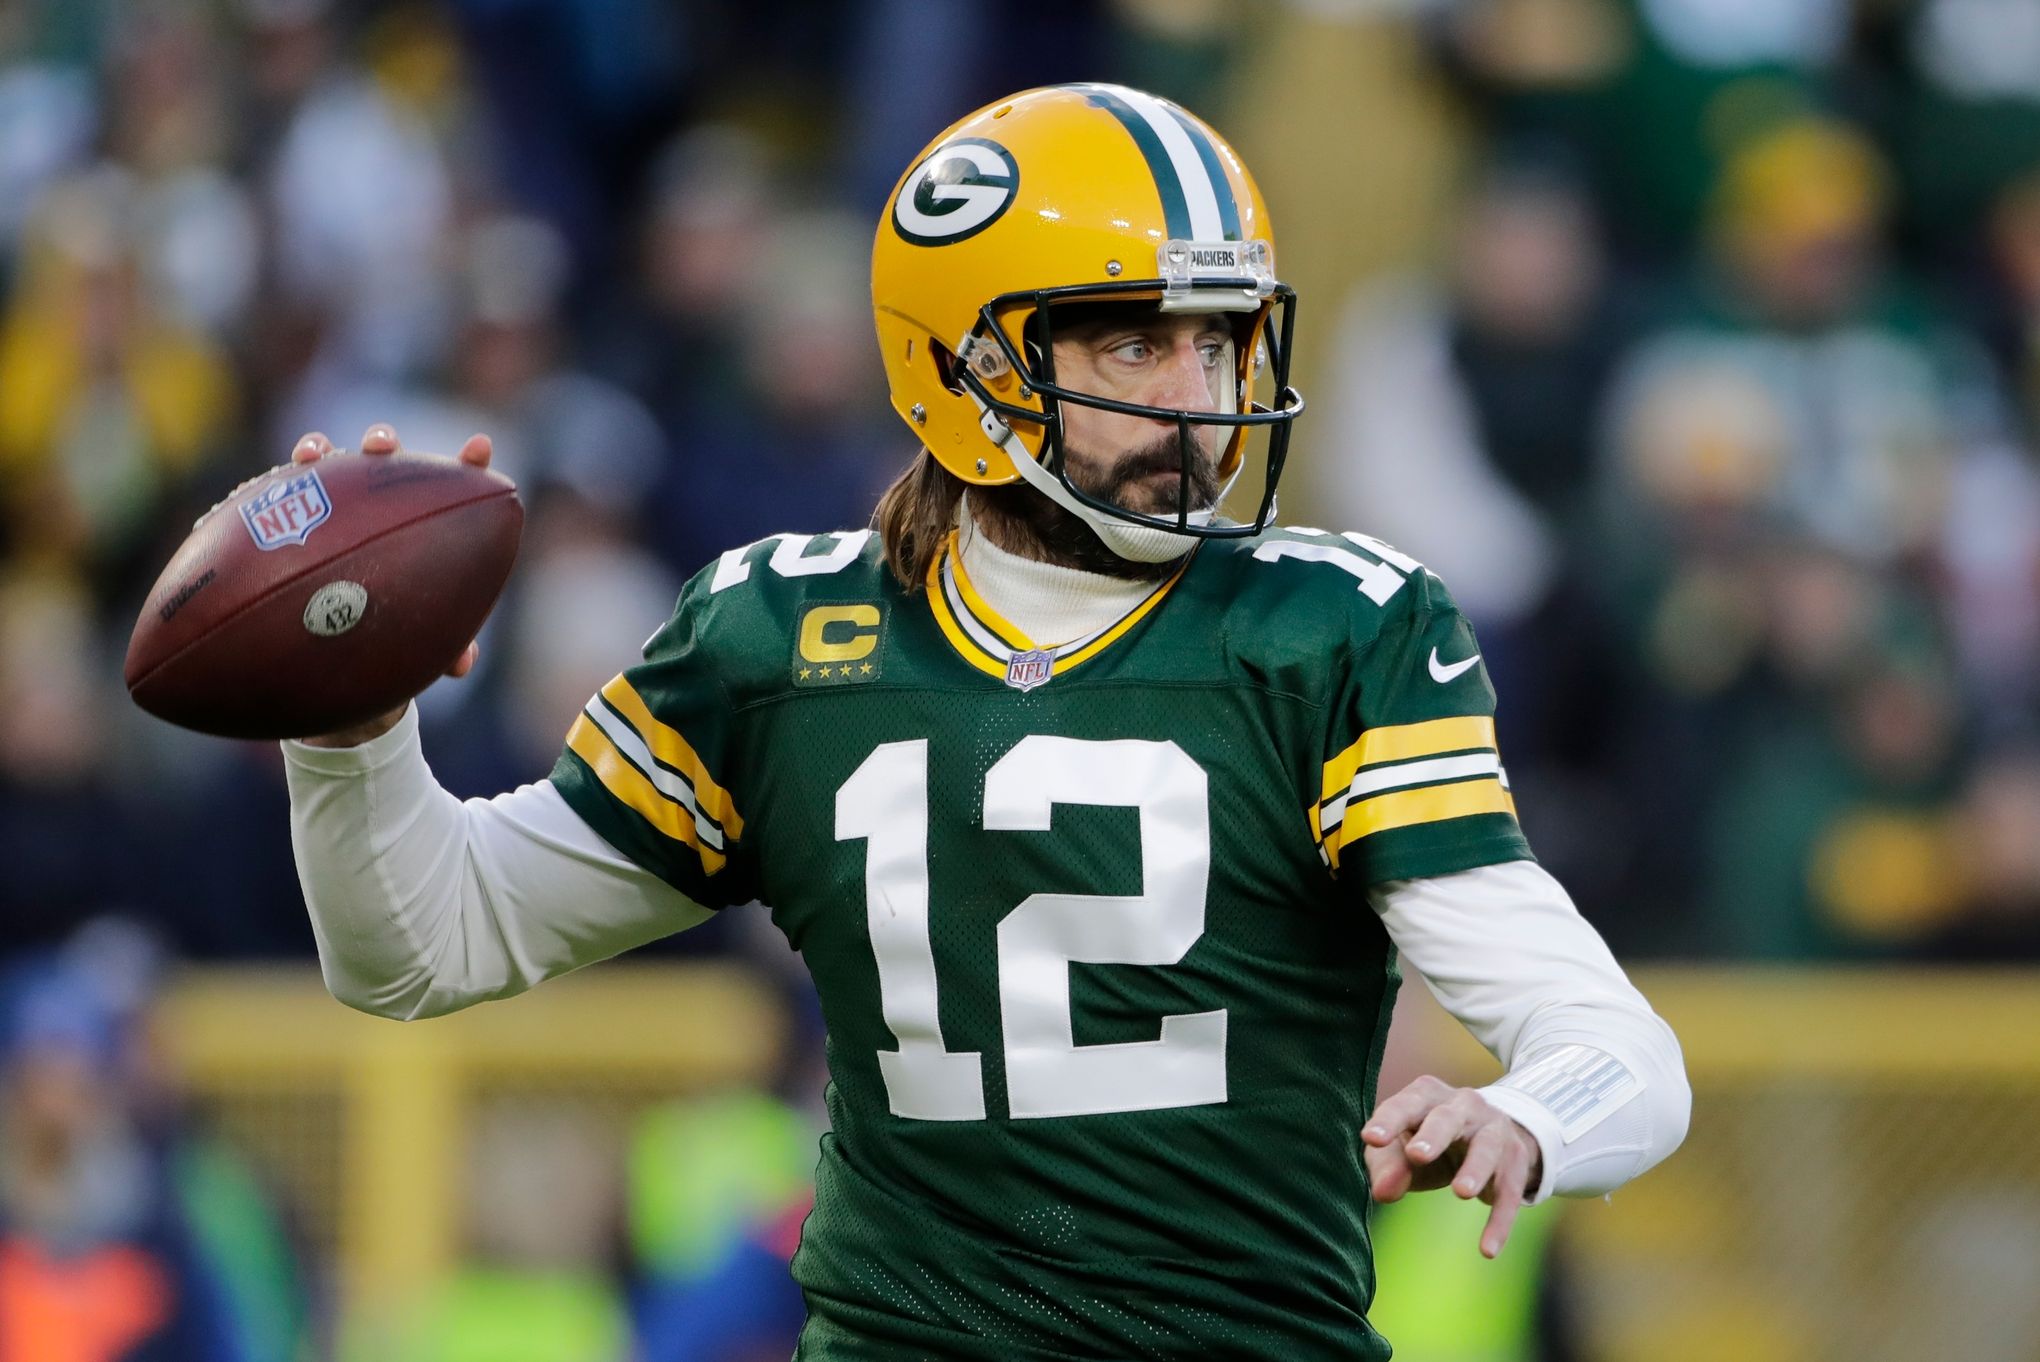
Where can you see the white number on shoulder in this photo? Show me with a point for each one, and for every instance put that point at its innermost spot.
(790, 557)
(1378, 580)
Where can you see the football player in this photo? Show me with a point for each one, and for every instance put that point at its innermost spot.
(1100, 820)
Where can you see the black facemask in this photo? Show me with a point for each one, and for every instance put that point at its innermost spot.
(1023, 521)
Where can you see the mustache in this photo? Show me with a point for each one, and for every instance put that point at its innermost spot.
(1060, 537)
(1170, 454)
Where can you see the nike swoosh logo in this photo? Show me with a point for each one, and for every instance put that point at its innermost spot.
(1442, 673)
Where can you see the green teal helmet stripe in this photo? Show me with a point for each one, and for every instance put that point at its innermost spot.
(1200, 195)
(1175, 208)
(1228, 207)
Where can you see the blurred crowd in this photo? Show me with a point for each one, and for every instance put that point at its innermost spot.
(1717, 409)
(1696, 343)
(1712, 393)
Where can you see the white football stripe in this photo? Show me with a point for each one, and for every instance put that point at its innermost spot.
(670, 785)
(1077, 645)
(1199, 194)
(1377, 779)
(982, 636)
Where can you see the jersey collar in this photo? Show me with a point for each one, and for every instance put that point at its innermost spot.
(989, 642)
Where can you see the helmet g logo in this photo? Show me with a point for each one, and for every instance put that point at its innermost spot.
(958, 191)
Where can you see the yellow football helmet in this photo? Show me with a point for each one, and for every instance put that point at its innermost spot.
(1076, 193)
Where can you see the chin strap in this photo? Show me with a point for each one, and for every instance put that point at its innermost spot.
(1134, 543)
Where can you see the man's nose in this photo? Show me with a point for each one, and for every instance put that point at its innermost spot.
(1184, 383)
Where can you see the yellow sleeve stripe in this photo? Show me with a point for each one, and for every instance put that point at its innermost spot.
(629, 784)
(1400, 741)
(1405, 808)
(672, 749)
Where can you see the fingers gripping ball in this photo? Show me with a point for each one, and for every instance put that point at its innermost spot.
(320, 595)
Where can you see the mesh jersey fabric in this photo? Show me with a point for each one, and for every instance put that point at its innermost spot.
(1215, 785)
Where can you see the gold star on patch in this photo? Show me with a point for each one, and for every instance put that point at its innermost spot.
(825, 671)
(866, 669)
(806, 672)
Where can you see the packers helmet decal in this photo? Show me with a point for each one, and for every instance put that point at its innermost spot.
(957, 191)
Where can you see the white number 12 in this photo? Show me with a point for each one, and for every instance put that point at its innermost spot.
(885, 804)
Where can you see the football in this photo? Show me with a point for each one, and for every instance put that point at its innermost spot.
(320, 595)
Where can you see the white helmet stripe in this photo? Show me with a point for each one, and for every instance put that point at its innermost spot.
(1185, 166)
(1199, 194)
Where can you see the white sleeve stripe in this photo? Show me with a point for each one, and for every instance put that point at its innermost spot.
(1374, 779)
(422, 904)
(667, 781)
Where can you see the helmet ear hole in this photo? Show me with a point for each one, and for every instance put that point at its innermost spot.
(945, 367)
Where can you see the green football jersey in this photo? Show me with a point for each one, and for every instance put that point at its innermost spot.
(1104, 995)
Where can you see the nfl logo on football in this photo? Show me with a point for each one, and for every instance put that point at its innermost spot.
(1027, 670)
(287, 512)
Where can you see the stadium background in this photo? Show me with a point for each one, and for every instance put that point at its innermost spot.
(1696, 344)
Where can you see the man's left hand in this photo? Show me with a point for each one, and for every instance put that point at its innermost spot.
(1431, 1134)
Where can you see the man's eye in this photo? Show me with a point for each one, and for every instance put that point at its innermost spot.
(1132, 351)
(1213, 352)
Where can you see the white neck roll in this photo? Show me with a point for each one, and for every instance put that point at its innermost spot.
(1049, 603)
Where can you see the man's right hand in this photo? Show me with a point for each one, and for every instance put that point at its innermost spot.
(378, 440)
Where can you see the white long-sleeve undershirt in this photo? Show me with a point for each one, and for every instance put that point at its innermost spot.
(423, 904)
(1592, 1072)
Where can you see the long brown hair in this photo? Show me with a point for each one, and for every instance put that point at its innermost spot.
(914, 517)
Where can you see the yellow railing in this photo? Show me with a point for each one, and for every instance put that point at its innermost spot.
(1759, 1022)
(364, 1121)
(1862, 1180)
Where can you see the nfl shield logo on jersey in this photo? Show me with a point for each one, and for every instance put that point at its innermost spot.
(287, 511)
(1025, 671)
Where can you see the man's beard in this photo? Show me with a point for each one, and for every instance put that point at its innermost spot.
(1021, 520)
